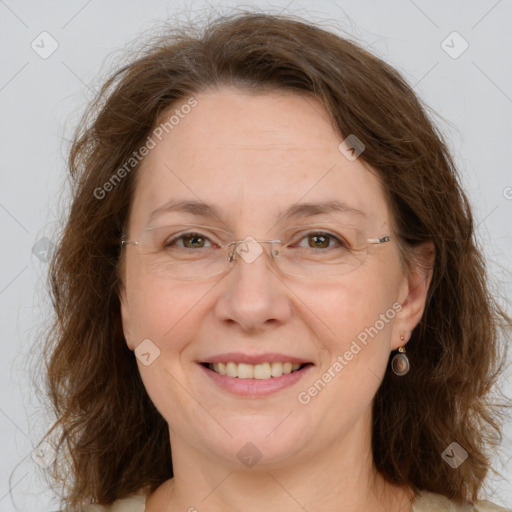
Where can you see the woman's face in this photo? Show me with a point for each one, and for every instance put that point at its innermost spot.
(252, 157)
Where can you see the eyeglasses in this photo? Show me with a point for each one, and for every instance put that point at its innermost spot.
(195, 251)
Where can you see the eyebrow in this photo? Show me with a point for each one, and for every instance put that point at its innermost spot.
(201, 209)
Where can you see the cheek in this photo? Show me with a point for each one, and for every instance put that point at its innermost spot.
(354, 307)
(165, 313)
(155, 307)
(169, 313)
(360, 315)
(357, 351)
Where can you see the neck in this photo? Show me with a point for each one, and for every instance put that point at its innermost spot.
(341, 477)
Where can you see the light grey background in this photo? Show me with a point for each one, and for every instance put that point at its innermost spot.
(42, 98)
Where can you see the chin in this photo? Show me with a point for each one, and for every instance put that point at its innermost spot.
(262, 440)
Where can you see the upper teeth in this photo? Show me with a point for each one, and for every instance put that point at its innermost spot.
(256, 371)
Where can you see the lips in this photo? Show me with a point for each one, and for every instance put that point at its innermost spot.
(254, 375)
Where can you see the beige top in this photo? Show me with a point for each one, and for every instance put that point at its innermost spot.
(423, 502)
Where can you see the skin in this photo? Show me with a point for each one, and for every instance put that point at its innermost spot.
(253, 155)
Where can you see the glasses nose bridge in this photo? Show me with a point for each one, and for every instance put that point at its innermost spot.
(250, 249)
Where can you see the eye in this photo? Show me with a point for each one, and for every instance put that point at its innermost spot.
(188, 241)
(322, 240)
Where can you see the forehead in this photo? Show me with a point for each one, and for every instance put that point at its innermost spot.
(252, 155)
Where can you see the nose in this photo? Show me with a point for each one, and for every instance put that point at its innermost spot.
(253, 295)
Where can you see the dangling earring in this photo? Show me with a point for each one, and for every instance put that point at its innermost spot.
(400, 362)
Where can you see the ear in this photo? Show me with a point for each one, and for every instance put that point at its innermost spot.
(125, 314)
(413, 293)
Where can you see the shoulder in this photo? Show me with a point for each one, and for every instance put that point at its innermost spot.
(134, 503)
(424, 502)
(429, 502)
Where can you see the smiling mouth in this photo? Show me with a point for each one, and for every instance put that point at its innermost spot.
(262, 371)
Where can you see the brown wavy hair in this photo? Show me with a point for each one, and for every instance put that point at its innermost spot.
(111, 440)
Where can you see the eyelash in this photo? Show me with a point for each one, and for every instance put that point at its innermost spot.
(331, 236)
(339, 241)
